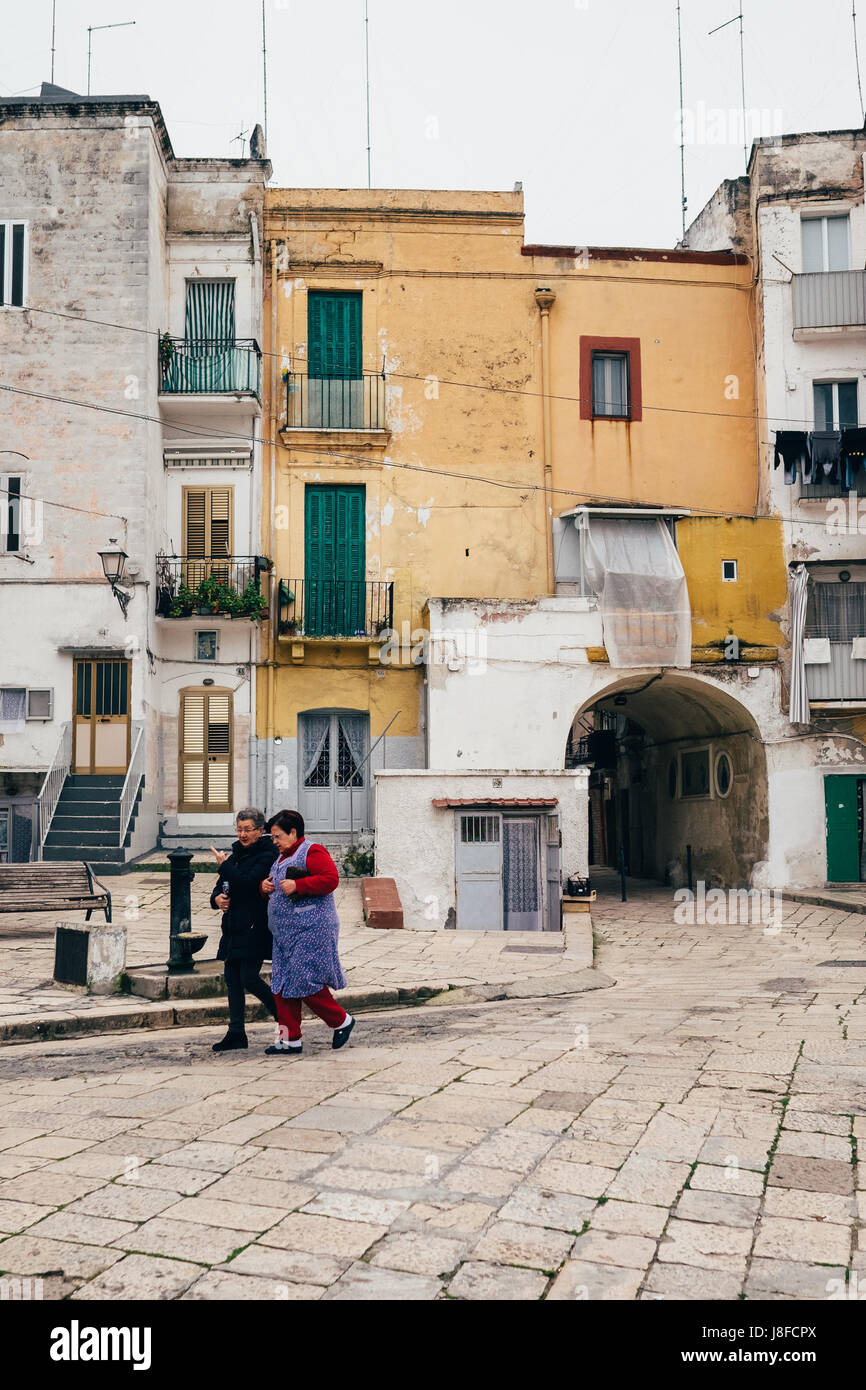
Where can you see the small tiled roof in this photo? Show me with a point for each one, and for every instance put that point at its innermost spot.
(448, 802)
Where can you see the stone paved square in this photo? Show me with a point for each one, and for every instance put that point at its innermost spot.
(468, 1151)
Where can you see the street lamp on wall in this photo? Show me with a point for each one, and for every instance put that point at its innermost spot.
(114, 569)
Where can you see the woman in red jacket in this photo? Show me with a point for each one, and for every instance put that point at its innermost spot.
(304, 924)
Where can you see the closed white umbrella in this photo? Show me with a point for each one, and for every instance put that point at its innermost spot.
(799, 712)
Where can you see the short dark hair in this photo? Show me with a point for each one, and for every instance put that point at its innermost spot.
(287, 821)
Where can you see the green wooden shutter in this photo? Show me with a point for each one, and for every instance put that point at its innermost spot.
(843, 840)
(334, 347)
(335, 561)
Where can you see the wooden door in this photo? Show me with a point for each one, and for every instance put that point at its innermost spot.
(205, 751)
(102, 724)
(843, 836)
(335, 561)
(335, 387)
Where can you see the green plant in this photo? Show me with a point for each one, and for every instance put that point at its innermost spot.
(183, 602)
(359, 863)
(253, 604)
(166, 349)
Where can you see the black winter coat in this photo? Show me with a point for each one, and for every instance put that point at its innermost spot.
(245, 925)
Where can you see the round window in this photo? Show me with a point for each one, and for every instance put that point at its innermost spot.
(724, 774)
(672, 779)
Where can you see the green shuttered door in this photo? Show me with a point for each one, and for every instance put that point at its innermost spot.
(843, 841)
(335, 561)
(334, 331)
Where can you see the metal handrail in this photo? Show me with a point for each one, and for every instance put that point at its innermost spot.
(335, 402)
(196, 366)
(52, 785)
(335, 608)
(132, 780)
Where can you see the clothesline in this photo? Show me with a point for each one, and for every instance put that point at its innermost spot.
(822, 456)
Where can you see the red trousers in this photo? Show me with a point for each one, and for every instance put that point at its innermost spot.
(323, 1004)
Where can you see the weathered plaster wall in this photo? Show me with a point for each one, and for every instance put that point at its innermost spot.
(415, 841)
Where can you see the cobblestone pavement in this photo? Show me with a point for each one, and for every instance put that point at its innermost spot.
(690, 1133)
(371, 958)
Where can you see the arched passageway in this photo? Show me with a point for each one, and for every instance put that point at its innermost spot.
(675, 762)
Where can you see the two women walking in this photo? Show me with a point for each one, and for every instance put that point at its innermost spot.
(276, 893)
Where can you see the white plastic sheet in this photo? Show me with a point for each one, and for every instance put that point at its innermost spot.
(634, 570)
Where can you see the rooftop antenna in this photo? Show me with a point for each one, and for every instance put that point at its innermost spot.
(367, 51)
(857, 59)
(265, 71)
(243, 139)
(93, 29)
(53, 18)
(682, 122)
(742, 75)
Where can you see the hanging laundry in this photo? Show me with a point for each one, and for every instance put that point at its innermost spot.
(853, 452)
(792, 449)
(826, 448)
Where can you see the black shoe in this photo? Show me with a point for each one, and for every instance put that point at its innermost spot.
(341, 1035)
(279, 1051)
(232, 1042)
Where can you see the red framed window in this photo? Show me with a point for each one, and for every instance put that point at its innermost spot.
(610, 379)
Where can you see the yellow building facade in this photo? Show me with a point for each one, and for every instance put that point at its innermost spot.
(441, 401)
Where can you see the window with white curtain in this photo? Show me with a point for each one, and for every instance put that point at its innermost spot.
(13, 265)
(835, 405)
(610, 394)
(825, 243)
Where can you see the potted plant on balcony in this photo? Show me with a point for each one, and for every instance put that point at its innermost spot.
(183, 602)
(253, 604)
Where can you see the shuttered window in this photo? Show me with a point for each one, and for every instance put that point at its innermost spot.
(207, 531)
(334, 349)
(206, 747)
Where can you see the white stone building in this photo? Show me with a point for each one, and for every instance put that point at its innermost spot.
(129, 422)
(799, 214)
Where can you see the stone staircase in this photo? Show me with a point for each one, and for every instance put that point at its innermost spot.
(86, 823)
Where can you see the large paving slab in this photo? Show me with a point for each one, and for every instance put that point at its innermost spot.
(685, 1134)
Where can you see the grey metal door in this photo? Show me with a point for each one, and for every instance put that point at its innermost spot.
(333, 774)
(479, 871)
(521, 873)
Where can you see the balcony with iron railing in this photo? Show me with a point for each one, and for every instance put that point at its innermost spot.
(334, 403)
(227, 586)
(209, 367)
(335, 608)
(829, 300)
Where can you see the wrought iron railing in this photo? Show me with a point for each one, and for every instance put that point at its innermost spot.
(830, 299)
(205, 366)
(134, 774)
(335, 608)
(52, 785)
(210, 585)
(334, 403)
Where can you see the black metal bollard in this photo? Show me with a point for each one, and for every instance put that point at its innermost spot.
(622, 873)
(180, 957)
(689, 868)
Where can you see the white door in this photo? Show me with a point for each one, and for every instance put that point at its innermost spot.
(479, 871)
(333, 772)
(521, 873)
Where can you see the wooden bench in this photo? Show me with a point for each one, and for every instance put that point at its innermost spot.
(41, 886)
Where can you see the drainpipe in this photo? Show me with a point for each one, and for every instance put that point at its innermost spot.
(545, 299)
(272, 494)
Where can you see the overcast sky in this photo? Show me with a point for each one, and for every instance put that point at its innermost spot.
(578, 99)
